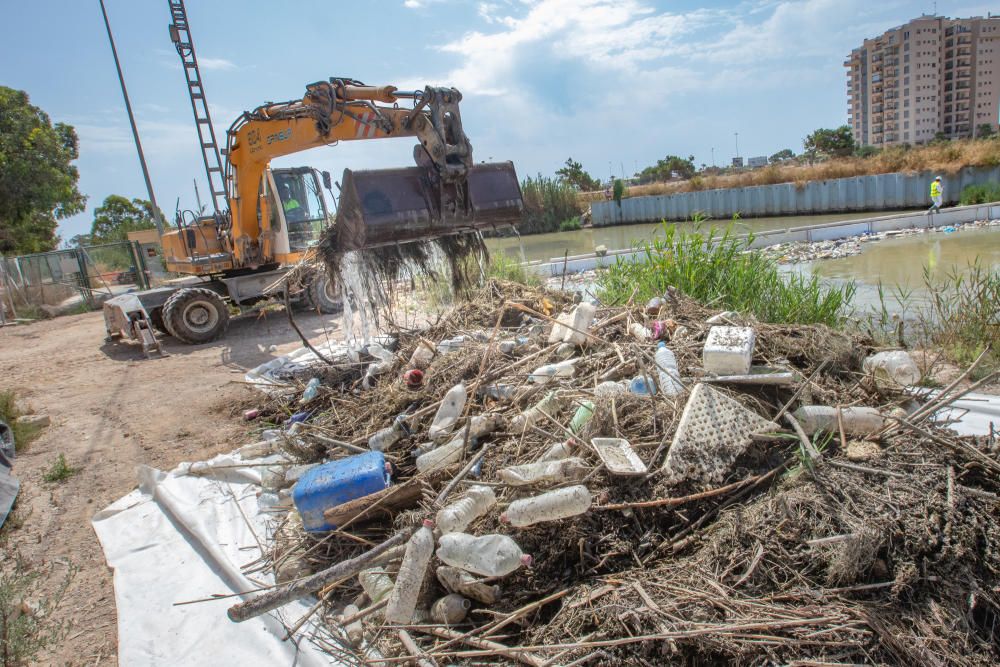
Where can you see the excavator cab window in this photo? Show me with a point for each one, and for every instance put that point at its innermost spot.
(303, 204)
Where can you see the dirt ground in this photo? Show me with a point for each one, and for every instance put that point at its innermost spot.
(112, 410)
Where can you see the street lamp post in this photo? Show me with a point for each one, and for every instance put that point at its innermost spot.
(737, 134)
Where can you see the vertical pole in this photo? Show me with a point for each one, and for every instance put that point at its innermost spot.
(131, 119)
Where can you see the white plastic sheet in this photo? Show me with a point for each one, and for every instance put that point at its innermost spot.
(181, 537)
(974, 412)
(275, 373)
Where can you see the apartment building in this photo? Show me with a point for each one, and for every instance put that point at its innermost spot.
(932, 75)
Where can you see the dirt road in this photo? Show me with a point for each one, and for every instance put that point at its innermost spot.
(112, 410)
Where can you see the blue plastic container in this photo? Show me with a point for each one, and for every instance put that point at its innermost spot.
(335, 483)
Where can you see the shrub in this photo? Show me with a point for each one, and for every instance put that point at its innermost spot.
(570, 225)
(9, 412)
(980, 193)
(547, 202)
(60, 470)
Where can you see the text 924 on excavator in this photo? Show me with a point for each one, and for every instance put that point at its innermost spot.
(272, 217)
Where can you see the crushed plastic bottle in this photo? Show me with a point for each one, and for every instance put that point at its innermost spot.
(642, 385)
(403, 598)
(666, 364)
(550, 506)
(893, 368)
(441, 457)
(582, 417)
(639, 332)
(376, 583)
(858, 421)
(610, 388)
(499, 392)
(550, 405)
(561, 369)
(456, 516)
(448, 413)
(384, 364)
(450, 609)
(388, 436)
(580, 320)
(487, 555)
(545, 472)
(422, 355)
(459, 581)
(560, 450)
(310, 392)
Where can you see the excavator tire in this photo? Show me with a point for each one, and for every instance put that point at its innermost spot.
(156, 317)
(196, 315)
(321, 295)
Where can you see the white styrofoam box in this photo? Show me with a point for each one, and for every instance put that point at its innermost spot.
(728, 350)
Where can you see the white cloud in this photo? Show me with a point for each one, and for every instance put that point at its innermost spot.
(216, 64)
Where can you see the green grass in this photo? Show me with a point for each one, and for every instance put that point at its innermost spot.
(26, 630)
(9, 412)
(60, 471)
(505, 267)
(570, 225)
(980, 193)
(717, 270)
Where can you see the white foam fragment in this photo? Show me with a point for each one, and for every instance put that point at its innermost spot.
(729, 350)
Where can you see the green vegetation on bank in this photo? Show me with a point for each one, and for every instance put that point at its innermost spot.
(980, 193)
(9, 412)
(716, 269)
(547, 203)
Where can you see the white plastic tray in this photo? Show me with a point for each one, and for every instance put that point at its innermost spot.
(619, 457)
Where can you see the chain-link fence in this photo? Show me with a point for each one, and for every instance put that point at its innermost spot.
(75, 279)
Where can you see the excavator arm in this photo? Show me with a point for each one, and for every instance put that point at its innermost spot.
(445, 193)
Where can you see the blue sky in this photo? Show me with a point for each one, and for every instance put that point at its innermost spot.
(614, 84)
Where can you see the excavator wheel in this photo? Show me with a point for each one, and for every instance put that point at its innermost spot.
(196, 315)
(321, 295)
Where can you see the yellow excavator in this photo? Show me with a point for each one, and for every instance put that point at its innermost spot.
(266, 220)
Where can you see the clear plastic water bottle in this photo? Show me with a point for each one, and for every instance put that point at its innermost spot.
(642, 385)
(582, 417)
(459, 581)
(499, 392)
(422, 356)
(560, 450)
(666, 364)
(545, 472)
(893, 368)
(487, 555)
(450, 609)
(550, 405)
(386, 360)
(403, 598)
(610, 388)
(544, 374)
(311, 391)
(455, 517)
(448, 413)
(858, 421)
(385, 438)
(376, 583)
(441, 457)
(639, 332)
(549, 506)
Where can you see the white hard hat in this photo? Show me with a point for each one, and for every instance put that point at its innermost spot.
(938, 178)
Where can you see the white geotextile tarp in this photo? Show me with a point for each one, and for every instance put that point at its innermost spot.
(274, 373)
(181, 537)
(974, 414)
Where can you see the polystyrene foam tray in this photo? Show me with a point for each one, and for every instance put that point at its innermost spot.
(619, 457)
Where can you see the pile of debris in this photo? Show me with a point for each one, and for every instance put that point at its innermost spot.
(545, 482)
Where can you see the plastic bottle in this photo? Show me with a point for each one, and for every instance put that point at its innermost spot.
(384, 363)
(376, 583)
(858, 421)
(640, 332)
(582, 417)
(896, 367)
(642, 385)
(560, 450)
(550, 405)
(450, 609)
(389, 436)
(565, 351)
(550, 472)
(355, 633)
(499, 392)
(487, 555)
(311, 391)
(459, 581)
(455, 517)
(448, 413)
(422, 356)
(580, 319)
(653, 305)
(550, 506)
(561, 369)
(610, 388)
(666, 364)
(403, 598)
(442, 456)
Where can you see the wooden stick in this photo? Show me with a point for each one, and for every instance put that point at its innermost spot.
(293, 591)
(302, 337)
(490, 648)
(414, 650)
(671, 502)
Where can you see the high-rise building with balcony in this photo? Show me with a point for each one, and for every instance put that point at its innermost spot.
(932, 75)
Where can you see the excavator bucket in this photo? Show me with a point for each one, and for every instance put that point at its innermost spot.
(389, 206)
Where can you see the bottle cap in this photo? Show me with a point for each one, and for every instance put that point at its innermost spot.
(526, 560)
(662, 344)
(428, 523)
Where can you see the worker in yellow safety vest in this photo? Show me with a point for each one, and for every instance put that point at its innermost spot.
(937, 195)
(293, 209)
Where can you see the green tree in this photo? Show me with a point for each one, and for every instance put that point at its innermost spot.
(78, 241)
(619, 191)
(985, 131)
(830, 143)
(782, 155)
(574, 174)
(38, 185)
(118, 216)
(665, 169)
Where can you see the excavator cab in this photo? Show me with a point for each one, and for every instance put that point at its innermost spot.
(298, 211)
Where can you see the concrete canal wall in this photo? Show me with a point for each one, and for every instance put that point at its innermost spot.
(859, 193)
(823, 232)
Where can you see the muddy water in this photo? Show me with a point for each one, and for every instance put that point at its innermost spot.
(618, 237)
